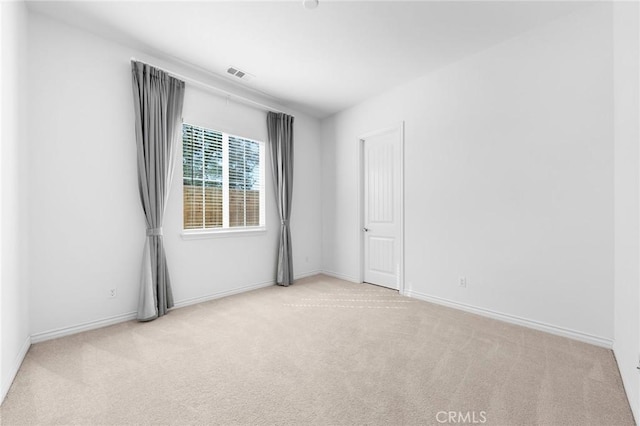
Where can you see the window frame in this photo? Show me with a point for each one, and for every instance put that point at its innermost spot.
(228, 231)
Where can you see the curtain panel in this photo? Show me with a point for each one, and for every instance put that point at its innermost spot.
(280, 134)
(158, 99)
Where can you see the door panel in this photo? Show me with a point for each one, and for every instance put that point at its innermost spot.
(381, 255)
(381, 179)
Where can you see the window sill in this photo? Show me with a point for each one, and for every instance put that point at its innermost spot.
(198, 234)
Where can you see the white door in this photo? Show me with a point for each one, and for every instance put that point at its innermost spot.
(381, 209)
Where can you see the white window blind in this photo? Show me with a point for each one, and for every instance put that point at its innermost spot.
(244, 182)
(223, 180)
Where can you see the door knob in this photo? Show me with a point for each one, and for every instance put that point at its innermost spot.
(365, 229)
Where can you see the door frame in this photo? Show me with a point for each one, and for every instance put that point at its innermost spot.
(360, 168)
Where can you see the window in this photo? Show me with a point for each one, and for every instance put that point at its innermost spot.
(223, 181)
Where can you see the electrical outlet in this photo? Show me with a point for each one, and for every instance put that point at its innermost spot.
(462, 281)
(113, 293)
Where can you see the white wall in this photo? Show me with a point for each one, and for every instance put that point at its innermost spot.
(627, 194)
(509, 178)
(252, 255)
(14, 313)
(87, 224)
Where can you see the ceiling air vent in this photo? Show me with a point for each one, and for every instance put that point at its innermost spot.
(245, 76)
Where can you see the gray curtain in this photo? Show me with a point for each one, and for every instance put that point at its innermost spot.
(280, 132)
(157, 99)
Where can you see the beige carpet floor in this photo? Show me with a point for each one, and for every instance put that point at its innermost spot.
(322, 351)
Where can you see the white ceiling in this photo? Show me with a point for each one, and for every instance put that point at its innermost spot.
(320, 61)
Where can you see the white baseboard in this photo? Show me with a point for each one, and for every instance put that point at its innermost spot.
(6, 385)
(341, 276)
(307, 274)
(220, 294)
(536, 325)
(243, 289)
(627, 376)
(91, 325)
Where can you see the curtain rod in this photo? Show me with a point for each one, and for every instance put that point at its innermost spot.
(214, 89)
